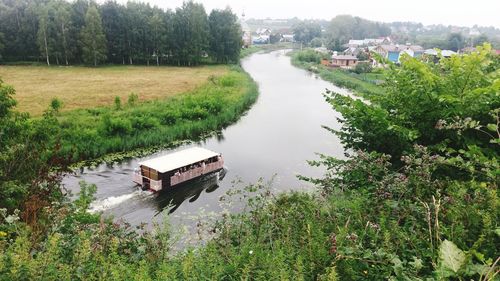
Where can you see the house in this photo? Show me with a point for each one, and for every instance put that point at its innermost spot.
(287, 38)
(435, 52)
(261, 39)
(263, 31)
(393, 52)
(344, 61)
(368, 42)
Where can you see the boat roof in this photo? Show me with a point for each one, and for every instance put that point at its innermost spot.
(178, 159)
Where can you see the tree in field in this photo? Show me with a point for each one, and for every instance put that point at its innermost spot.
(225, 36)
(93, 38)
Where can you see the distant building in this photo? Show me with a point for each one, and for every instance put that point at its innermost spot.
(368, 42)
(344, 61)
(435, 52)
(287, 38)
(393, 52)
(260, 39)
(263, 31)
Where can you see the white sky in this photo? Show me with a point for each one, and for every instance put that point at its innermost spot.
(447, 12)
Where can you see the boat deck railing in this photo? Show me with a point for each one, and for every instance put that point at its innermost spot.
(195, 172)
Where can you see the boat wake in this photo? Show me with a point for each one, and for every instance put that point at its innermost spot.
(113, 201)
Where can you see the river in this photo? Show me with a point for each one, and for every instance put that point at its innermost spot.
(272, 141)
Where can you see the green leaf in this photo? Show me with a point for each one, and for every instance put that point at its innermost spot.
(492, 127)
(450, 256)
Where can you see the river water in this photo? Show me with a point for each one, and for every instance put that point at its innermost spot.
(272, 141)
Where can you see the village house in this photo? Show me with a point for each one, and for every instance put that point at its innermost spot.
(344, 61)
(393, 52)
(368, 42)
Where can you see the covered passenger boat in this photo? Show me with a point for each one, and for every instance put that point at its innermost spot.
(167, 171)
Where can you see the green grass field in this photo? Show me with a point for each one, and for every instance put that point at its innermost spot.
(84, 87)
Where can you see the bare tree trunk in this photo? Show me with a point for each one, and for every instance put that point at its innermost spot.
(65, 47)
(157, 60)
(46, 48)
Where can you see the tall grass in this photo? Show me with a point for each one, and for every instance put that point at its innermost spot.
(91, 133)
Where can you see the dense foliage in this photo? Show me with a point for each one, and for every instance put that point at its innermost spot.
(421, 96)
(305, 32)
(86, 32)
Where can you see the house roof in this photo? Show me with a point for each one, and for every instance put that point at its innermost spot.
(344, 57)
(399, 48)
(444, 53)
(178, 159)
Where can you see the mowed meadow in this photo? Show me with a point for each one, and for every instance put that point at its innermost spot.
(83, 87)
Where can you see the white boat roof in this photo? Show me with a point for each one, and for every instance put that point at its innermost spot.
(178, 159)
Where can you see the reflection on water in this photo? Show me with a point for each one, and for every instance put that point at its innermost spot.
(273, 140)
(173, 198)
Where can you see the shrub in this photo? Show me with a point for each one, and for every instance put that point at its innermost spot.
(118, 103)
(132, 99)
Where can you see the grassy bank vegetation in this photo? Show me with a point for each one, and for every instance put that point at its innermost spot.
(83, 87)
(90, 133)
(415, 199)
(268, 48)
(362, 84)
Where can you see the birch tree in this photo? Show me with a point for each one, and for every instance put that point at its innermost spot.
(93, 38)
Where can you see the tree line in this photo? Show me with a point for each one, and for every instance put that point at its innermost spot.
(64, 33)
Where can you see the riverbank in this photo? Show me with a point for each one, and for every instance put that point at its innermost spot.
(131, 128)
(366, 84)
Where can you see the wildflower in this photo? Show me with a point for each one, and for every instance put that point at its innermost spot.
(250, 252)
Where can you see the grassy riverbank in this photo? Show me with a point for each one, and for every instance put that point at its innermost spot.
(268, 48)
(83, 87)
(92, 133)
(363, 84)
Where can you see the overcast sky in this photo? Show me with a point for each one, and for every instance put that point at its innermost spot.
(454, 12)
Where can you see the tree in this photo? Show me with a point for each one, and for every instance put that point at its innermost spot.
(158, 35)
(2, 46)
(191, 32)
(114, 26)
(455, 41)
(45, 28)
(62, 23)
(419, 98)
(316, 42)
(93, 39)
(304, 32)
(480, 40)
(225, 36)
